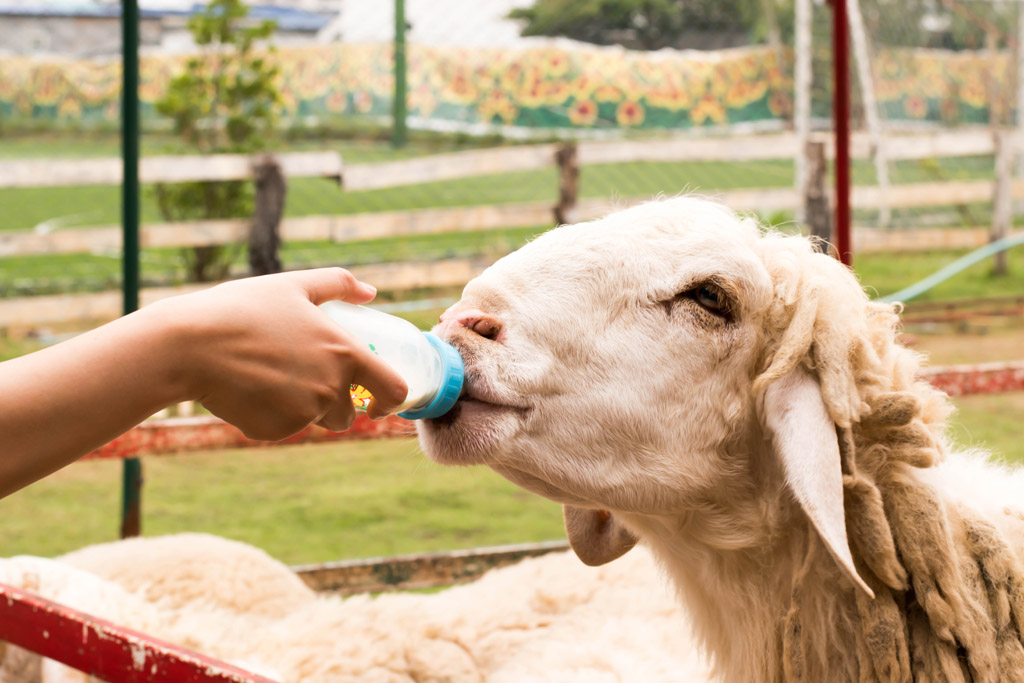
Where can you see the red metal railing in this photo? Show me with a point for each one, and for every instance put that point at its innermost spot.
(107, 651)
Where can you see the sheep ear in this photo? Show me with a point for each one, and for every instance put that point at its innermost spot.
(805, 439)
(595, 536)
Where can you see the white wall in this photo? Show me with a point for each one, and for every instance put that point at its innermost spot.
(434, 22)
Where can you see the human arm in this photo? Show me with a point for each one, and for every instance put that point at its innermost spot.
(256, 352)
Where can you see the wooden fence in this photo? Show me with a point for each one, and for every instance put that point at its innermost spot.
(50, 173)
(39, 311)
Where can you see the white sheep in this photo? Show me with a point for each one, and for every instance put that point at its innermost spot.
(545, 619)
(675, 374)
(670, 374)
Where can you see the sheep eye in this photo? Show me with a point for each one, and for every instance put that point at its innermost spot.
(711, 299)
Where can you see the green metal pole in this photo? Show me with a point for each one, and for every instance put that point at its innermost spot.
(131, 488)
(398, 108)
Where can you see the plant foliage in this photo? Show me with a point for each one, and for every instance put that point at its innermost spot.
(639, 24)
(223, 102)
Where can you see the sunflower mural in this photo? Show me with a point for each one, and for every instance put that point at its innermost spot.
(939, 85)
(557, 87)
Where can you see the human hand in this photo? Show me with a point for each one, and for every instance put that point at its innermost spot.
(260, 354)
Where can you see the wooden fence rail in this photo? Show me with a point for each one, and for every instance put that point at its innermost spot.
(375, 225)
(162, 169)
(335, 228)
(19, 315)
(450, 166)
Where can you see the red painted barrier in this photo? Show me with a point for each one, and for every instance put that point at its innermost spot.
(102, 649)
(156, 437)
(985, 378)
(177, 435)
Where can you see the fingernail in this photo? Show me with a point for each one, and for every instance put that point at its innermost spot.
(370, 289)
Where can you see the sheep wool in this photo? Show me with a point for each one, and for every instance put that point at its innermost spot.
(949, 588)
(548, 618)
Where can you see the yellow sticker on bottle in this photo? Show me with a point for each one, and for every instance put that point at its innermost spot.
(360, 396)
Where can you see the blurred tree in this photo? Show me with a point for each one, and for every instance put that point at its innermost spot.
(223, 102)
(951, 24)
(654, 24)
(640, 24)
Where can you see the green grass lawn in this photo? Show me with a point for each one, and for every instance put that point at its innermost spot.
(301, 504)
(885, 273)
(328, 502)
(991, 422)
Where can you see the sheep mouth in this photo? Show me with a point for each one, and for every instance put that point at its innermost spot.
(474, 430)
(479, 393)
(469, 405)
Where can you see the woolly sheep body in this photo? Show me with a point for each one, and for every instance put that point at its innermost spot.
(548, 618)
(971, 479)
(731, 398)
(172, 573)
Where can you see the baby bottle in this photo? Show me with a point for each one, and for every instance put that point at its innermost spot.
(431, 368)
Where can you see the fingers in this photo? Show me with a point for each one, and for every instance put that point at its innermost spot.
(340, 417)
(388, 389)
(334, 284)
(387, 386)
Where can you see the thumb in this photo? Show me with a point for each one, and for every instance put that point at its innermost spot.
(334, 284)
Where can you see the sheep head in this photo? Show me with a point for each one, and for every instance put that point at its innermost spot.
(643, 364)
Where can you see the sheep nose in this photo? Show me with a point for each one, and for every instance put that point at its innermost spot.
(483, 324)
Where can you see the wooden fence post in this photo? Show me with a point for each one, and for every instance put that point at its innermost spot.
(871, 112)
(802, 82)
(265, 233)
(1002, 196)
(817, 209)
(567, 158)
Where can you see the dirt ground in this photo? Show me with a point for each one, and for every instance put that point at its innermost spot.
(980, 342)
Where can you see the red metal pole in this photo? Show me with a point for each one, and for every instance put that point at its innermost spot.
(841, 118)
